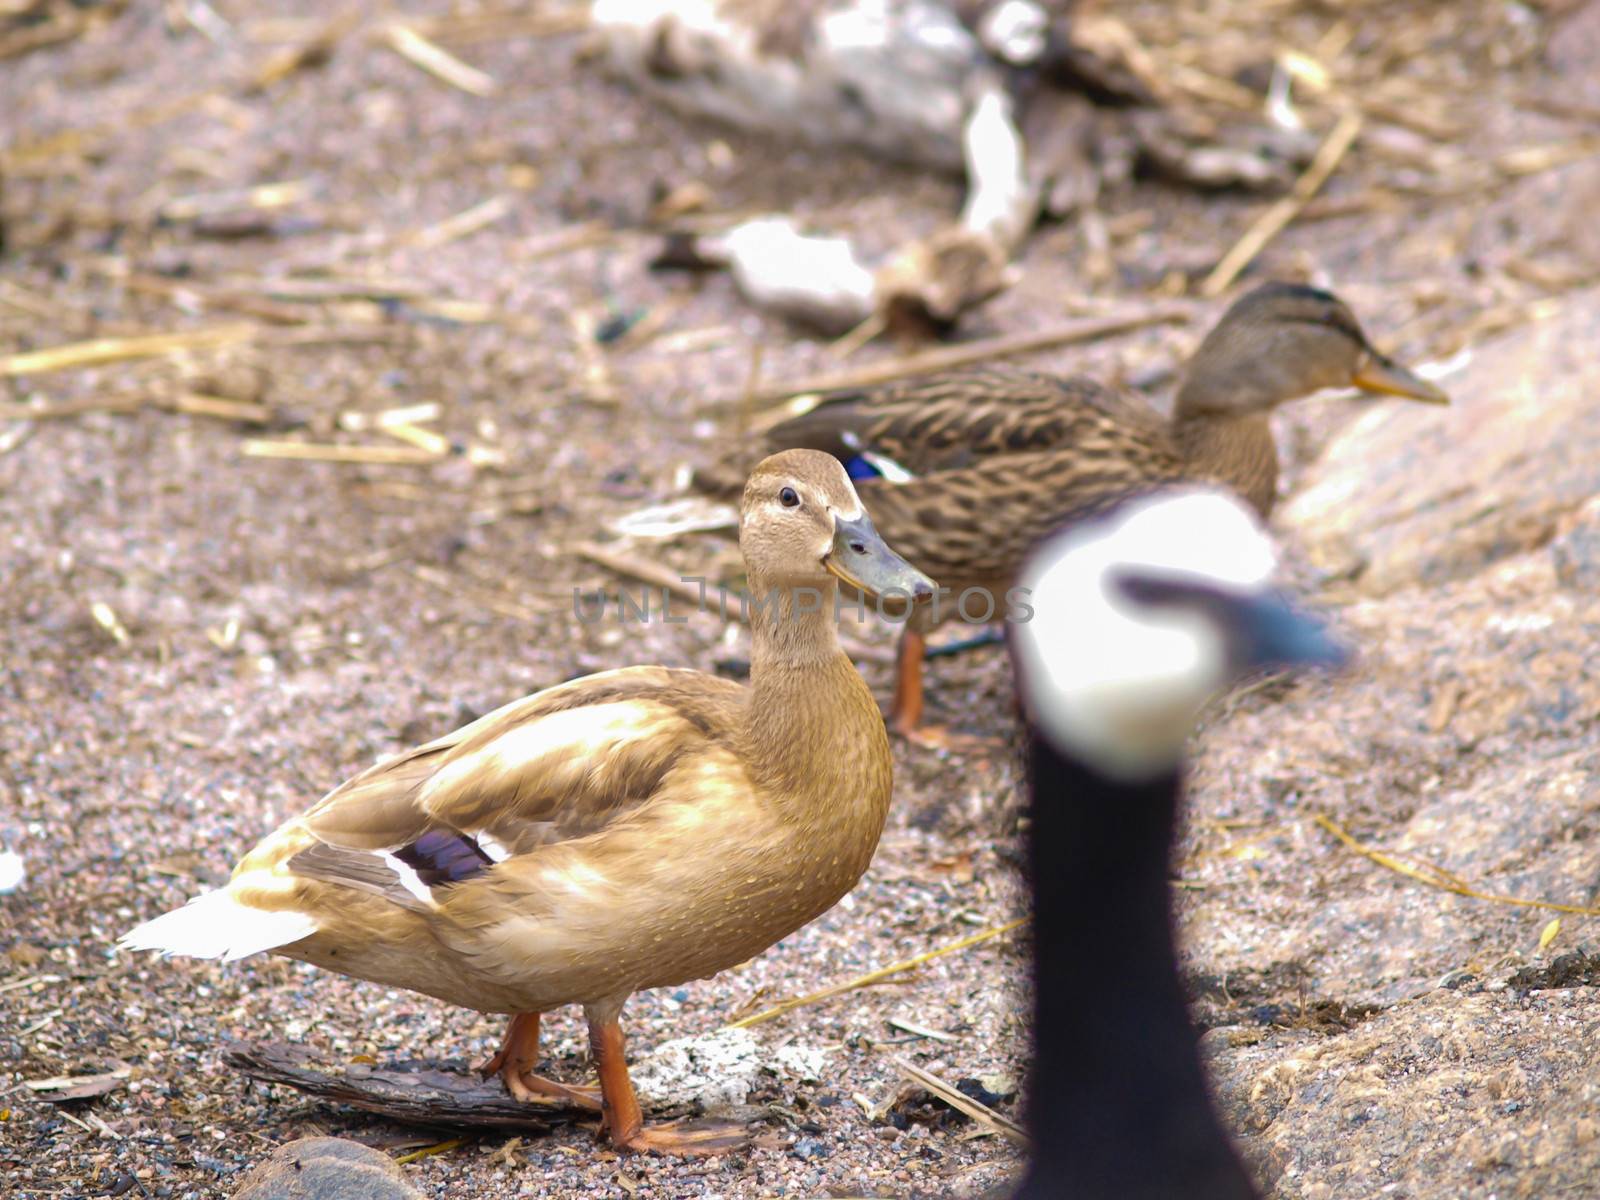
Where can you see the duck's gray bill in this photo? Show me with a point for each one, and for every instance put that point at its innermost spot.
(861, 558)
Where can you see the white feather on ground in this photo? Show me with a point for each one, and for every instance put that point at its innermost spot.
(12, 872)
(905, 79)
(688, 514)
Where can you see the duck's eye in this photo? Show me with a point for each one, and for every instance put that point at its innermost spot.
(789, 498)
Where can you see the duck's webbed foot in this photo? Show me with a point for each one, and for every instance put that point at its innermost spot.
(514, 1063)
(686, 1138)
(624, 1121)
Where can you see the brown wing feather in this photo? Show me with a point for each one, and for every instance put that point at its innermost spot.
(959, 418)
(949, 421)
(973, 525)
(561, 764)
(359, 869)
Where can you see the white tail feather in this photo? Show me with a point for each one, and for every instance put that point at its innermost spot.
(215, 925)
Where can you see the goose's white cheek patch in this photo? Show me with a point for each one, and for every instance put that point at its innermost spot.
(1115, 682)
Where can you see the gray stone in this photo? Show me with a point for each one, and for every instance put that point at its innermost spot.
(326, 1168)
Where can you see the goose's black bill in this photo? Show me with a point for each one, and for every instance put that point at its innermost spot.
(1262, 628)
(1271, 632)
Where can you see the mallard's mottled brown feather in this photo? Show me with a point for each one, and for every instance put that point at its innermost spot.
(953, 421)
(970, 527)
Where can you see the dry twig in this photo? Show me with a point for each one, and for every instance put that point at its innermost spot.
(261, 196)
(190, 295)
(1277, 217)
(221, 408)
(947, 358)
(412, 456)
(871, 977)
(437, 61)
(632, 567)
(312, 52)
(104, 350)
(1438, 877)
(430, 1151)
(494, 602)
(463, 224)
(70, 408)
(416, 1094)
(961, 1102)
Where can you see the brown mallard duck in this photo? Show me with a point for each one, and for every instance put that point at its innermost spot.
(633, 829)
(964, 472)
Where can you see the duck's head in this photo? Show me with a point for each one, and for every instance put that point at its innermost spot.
(801, 524)
(1140, 616)
(1283, 341)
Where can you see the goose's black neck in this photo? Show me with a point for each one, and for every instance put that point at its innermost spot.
(1119, 1106)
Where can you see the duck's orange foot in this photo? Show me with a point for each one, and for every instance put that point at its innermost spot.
(536, 1089)
(687, 1139)
(942, 737)
(514, 1064)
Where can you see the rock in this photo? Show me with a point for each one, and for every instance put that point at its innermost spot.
(1433, 1090)
(1571, 50)
(719, 1069)
(1576, 551)
(1415, 495)
(326, 1168)
(1378, 1031)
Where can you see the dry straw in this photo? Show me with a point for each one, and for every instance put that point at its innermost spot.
(871, 977)
(1438, 877)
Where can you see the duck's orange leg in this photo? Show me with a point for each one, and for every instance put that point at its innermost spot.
(514, 1063)
(905, 713)
(623, 1119)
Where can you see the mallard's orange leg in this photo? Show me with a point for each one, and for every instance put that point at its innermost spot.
(623, 1119)
(905, 714)
(519, 1054)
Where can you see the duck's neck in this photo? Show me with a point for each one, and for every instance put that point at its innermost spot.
(1234, 449)
(809, 709)
(1119, 1106)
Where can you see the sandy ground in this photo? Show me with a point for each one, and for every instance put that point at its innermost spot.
(199, 642)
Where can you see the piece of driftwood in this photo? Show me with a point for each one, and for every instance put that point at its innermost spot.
(412, 1093)
(63, 1089)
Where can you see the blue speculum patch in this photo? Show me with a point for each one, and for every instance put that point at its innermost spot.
(857, 467)
(443, 856)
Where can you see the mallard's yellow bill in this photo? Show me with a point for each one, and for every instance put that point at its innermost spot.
(1389, 378)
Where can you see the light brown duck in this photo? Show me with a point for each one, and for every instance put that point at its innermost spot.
(633, 829)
